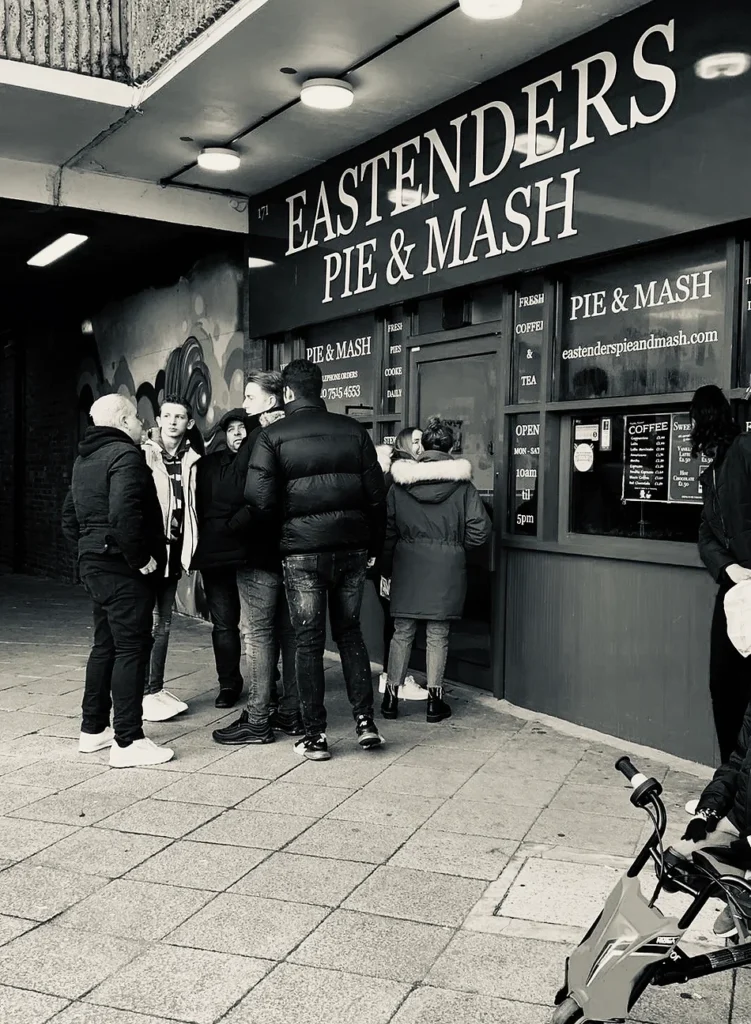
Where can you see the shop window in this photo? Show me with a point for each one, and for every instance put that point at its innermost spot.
(387, 431)
(282, 349)
(632, 475)
(656, 324)
(487, 303)
(532, 324)
(345, 351)
(525, 463)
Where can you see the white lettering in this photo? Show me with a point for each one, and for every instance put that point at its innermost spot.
(535, 119)
(566, 204)
(452, 168)
(372, 166)
(295, 221)
(347, 199)
(613, 126)
(407, 176)
(481, 175)
(484, 231)
(453, 238)
(660, 73)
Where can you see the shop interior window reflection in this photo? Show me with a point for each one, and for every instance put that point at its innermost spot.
(632, 475)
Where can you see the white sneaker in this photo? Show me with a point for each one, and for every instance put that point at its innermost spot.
(139, 754)
(411, 690)
(160, 707)
(90, 742)
(382, 682)
(691, 807)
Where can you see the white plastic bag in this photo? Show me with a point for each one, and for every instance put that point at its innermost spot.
(738, 612)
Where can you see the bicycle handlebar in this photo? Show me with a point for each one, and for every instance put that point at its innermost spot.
(626, 767)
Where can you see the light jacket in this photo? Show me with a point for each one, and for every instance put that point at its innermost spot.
(153, 452)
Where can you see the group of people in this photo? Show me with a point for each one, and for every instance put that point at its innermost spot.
(286, 521)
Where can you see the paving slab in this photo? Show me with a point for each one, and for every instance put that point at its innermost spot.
(20, 1007)
(20, 839)
(393, 891)
(499, 820)
(449, 853)
(328, 997)
(100, 851)
(301, 879)
(510, 787)
(161, 818)
(12, 927)
(215, 790)
(284, 797)
(206, 866)
(586, 831)
(703, 1001)
(378, 947)
(45, 960)
(556, 892)
(251, 925)
(135, 910)
(192, 985)
(417, 780)
(383, 807)
(429, 1005)
(40, 893)
(347, 840)
(253, 828)
(262, 761)
(82, 1013)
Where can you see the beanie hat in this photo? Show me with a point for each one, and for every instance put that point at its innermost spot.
(234, 415)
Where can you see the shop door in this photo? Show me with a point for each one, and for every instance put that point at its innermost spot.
(458, 381)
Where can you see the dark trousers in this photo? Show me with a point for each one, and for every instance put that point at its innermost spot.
(729, 681)
(220, 588)
(119, 658)
(311, 580)
(388, 624)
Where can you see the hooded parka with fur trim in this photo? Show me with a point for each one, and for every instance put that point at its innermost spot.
(434, 514)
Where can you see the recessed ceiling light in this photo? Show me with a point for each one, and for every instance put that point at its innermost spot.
(545, 144)
(87, 327)
(405, 197)
(288, 71)
(723, 65)
(254, 262)
(216, 158)
(63, 245)
(327, 94)
(487, 10)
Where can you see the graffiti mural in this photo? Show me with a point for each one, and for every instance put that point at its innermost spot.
(186, 339)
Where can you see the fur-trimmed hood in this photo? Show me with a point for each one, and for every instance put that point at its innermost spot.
(433, 478)
(267, 418)
(383, 454)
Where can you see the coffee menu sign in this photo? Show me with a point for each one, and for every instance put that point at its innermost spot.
(657, 462)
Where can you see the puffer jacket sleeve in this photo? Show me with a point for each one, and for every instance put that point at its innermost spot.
(129, 485)
(736, 500)
(375, 495)
(71, 529)
(719, 796)
(263, 481)
(477, 525)
(392, 535)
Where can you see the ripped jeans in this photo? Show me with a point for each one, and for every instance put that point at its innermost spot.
(336, 577)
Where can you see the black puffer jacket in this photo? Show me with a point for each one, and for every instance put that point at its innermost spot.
(219, 496)
(729, 792)
(320, 472)
(434, 515)
(260, 535)
(725, 530)
(112, 511)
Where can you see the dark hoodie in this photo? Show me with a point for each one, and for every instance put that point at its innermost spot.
(434, 514)
(111, 511)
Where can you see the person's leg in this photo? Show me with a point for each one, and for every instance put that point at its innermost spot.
(162, 623)
(260, 593)
(222, 598)
(129, 613)
(400, 651)
(97, 695)
(288, 699)
(436, 655)
(729, 678)
(345, 599)
(388, 624)
(305, 581)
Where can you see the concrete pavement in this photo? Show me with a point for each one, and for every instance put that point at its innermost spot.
(440, 880)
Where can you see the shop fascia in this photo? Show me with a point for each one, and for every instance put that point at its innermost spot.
(459, 149)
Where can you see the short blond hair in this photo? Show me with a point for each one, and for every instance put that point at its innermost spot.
(108, 411)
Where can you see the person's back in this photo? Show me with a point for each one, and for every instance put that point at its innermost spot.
(319, 472)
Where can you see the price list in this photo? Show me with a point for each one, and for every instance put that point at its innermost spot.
(658, 465)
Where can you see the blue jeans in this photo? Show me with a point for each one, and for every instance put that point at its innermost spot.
(220, 588)
(162, 623)
(310, 580)
(264, 620)
(436, 651)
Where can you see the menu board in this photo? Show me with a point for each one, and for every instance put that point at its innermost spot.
(657, 462)
(531, 316)
(525, 460)
(344, 351)
(393, 372)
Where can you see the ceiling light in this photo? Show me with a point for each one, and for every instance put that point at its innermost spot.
(405, 197)
(64, 245)
(87, 327)
(254, 262)
(486, 10)
(215, 158)
(544, 144)
(327, 94)
(723, 65)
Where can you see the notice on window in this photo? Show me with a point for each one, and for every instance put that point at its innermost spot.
(393, 384)
(344, 351)
(525, 460)
(657, 464)
(531, 316)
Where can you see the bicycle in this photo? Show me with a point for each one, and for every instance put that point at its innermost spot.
(632, 944)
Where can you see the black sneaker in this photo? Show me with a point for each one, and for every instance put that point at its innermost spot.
(315, 748)
(291, 726)
(368, 735)
(228, 697)
(242, 731)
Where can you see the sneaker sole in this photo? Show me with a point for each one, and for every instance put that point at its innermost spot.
(165, 718)
(93, 750)
(314, 755)
(143, 764)
(433, 719)
(368, 742)
(389, 714)
(244, 742)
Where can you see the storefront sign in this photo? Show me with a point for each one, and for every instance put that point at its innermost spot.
(525, 461)
(393, 363)
(531, 319)
(652, 325)
(553, 161)
(344, 351)
(657, 463)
